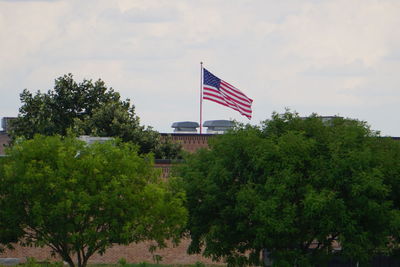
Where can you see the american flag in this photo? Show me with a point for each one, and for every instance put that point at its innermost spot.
(221, 92)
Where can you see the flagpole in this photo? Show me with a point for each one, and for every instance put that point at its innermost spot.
(201, 95)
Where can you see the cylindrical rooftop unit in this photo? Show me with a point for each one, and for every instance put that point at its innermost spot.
(185, 127)
(218, 126)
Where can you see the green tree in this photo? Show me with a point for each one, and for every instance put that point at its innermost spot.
(54, 112)
(119, 120)
(9, 232)
(80, 200)
(296, 187)
(90, 108)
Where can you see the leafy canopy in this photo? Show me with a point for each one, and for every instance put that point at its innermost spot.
(80, 200)
(296, 187)
(89, 108)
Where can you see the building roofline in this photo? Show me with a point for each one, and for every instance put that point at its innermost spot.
(187, 134)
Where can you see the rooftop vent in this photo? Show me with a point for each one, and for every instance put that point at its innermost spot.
(218, 126)
(185, 127)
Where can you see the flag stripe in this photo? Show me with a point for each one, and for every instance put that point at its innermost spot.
(237, 91)
(221, 100)
(223, 93)
(233, 103)
(235, 99)
(227, 102)
(227, 98)
(224, 97)
(248, 115)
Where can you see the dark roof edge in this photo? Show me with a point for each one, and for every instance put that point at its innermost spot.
(187, 134)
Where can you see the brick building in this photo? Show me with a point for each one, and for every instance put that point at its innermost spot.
(189, 143)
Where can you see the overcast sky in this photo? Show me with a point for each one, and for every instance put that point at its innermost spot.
(332, 57)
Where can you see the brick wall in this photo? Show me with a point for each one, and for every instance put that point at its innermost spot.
(164, 166)
(133, 253)
(190, 142)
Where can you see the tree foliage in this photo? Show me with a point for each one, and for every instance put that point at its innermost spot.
(54, 112)
(80, 200)
(89, 108)
(9, 233)
(296, 187)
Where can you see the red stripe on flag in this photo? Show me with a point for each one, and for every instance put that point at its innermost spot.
(228, 102)
(222, 102)
(235, 90)
(244, 104)
(238, 97)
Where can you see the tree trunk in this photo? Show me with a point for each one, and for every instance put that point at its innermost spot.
(70, 262)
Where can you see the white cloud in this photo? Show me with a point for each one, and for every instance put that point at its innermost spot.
(331, 57)
(342, 31)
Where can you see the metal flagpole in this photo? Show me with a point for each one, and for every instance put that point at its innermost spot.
(201, 95)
